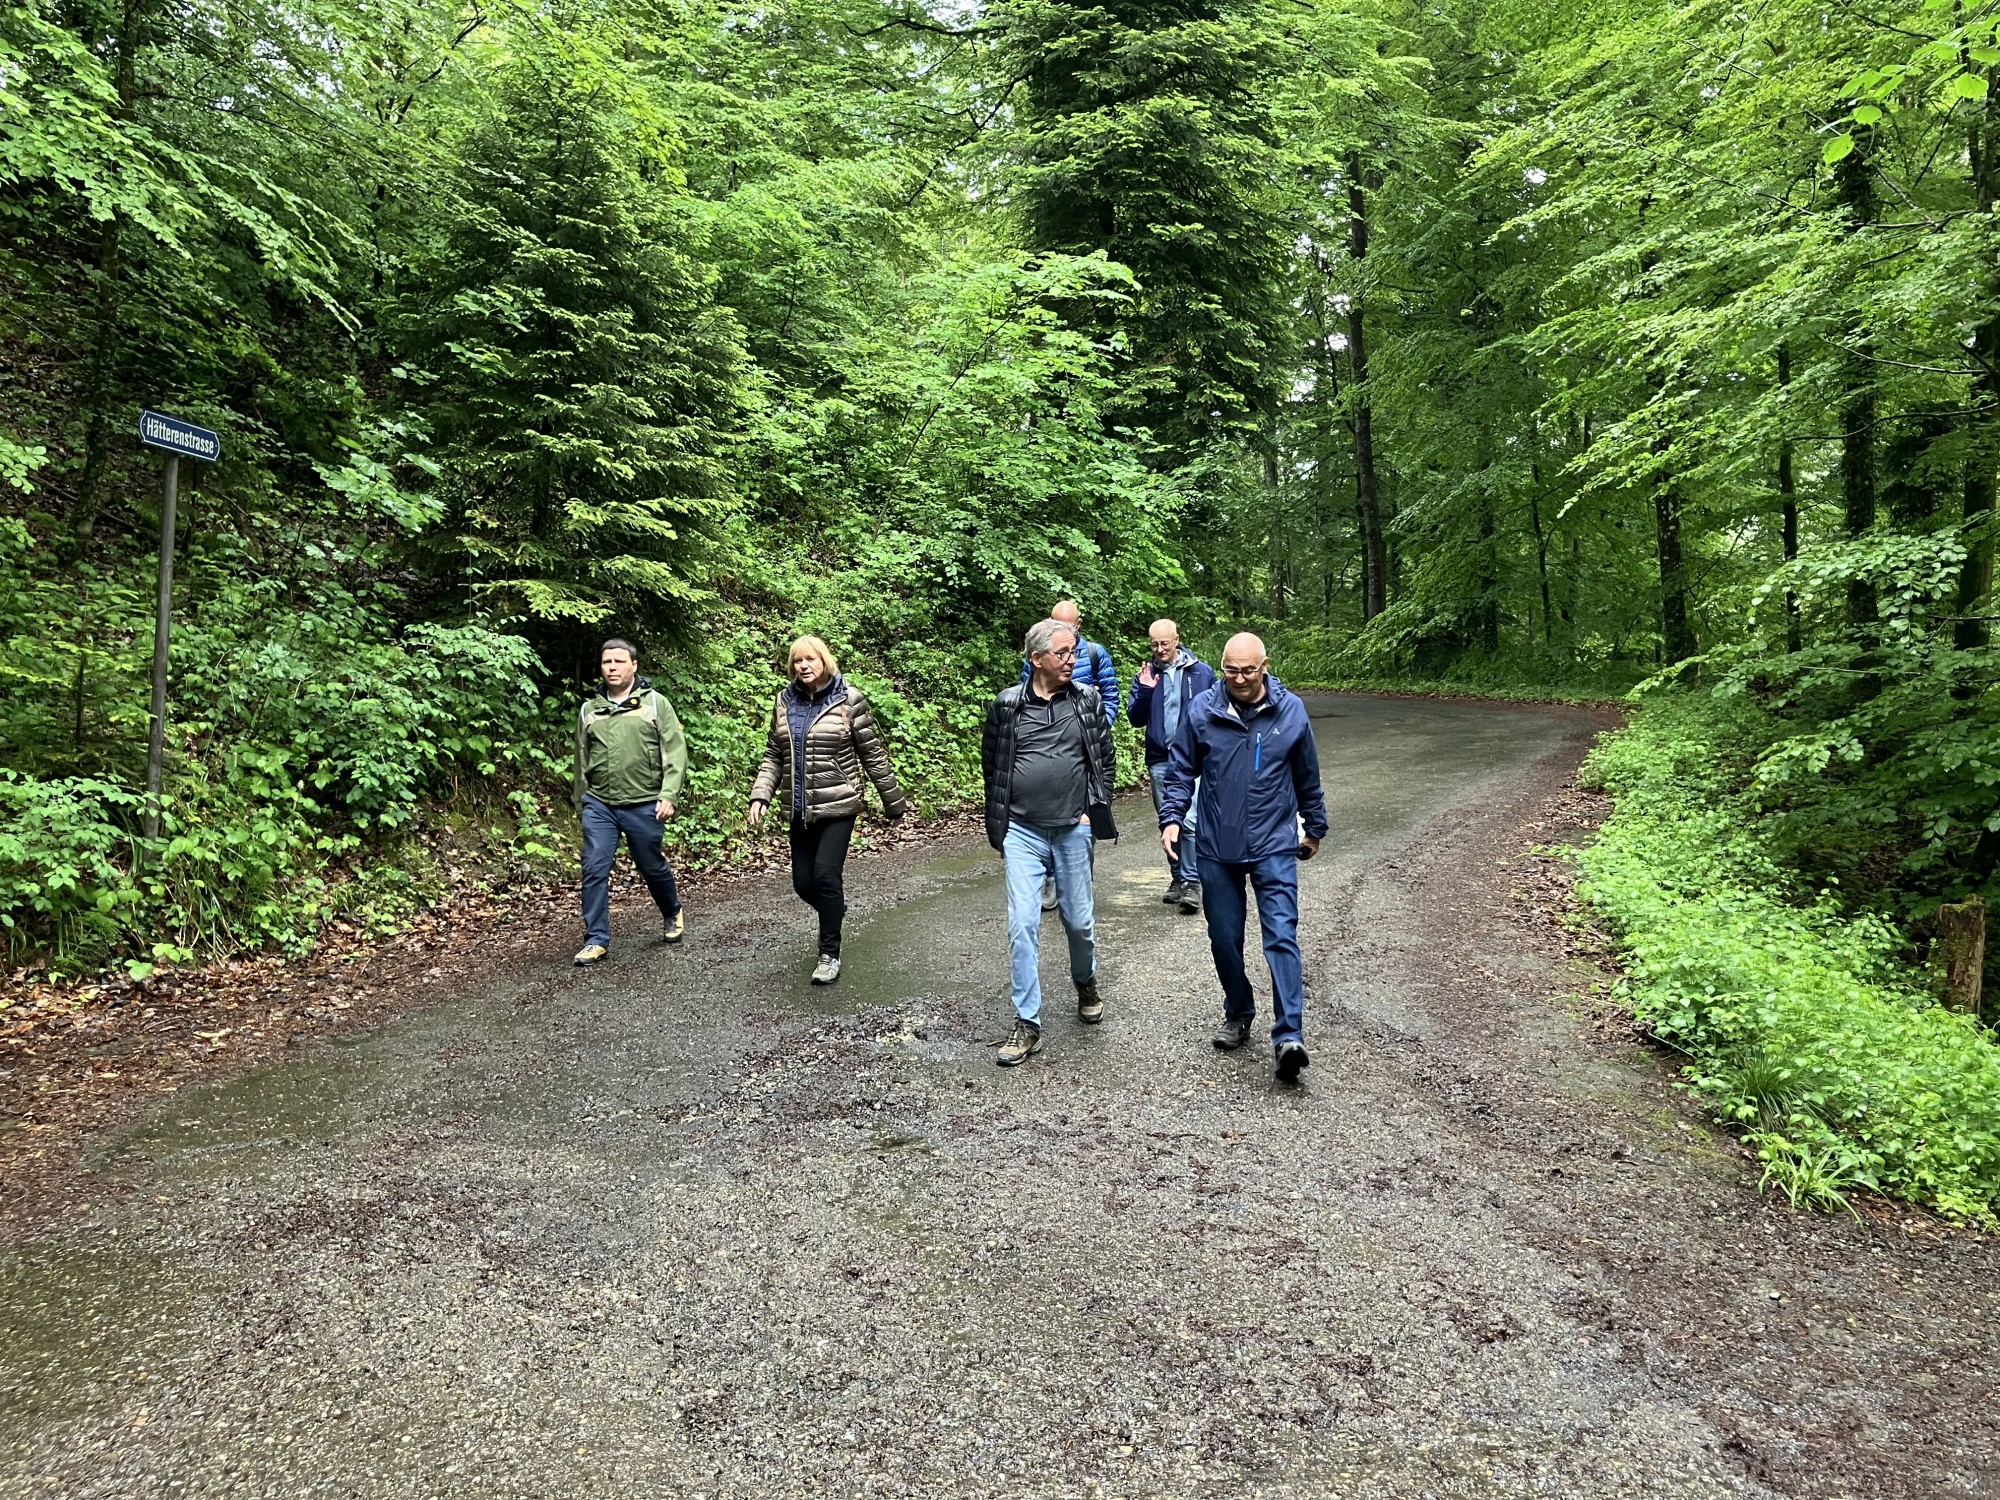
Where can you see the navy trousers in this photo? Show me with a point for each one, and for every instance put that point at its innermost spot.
(603, 824)
(1276, 882)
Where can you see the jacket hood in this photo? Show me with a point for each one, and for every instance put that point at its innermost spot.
(640, 684)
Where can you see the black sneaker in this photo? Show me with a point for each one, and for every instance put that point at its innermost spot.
(1174, 893)
(1231, 1035)
(1089, 1004)
(1292, 1061)
(1190, 898)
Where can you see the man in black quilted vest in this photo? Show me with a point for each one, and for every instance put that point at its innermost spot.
(1047, 757)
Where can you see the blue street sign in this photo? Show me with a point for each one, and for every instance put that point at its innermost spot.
(157, 430)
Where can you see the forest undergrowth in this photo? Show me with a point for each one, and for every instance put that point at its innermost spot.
(1805, 1011)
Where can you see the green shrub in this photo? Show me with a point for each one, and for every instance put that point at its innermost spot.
(1801, 1021)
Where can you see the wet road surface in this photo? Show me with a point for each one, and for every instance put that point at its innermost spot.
(684, 1226)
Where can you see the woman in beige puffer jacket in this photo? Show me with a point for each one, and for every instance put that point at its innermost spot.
(821, 751)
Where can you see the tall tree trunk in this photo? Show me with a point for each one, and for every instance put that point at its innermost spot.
(1788, 506)
(100, 380)
(1982, 456)
(1327, 397)
(1374, 555)
(1488, 610)
(1489, 582)
(1278, 543)
(1676, 635)
(1541, 546)
(1856, 189)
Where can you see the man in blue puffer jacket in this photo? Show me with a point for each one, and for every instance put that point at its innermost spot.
(1249, 742)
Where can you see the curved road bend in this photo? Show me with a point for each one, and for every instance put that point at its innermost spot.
(682, 1226)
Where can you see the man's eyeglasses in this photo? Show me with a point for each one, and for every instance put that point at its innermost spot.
(1241, 674)
(1067, 653)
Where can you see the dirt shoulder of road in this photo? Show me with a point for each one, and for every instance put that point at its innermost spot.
(81, 1058)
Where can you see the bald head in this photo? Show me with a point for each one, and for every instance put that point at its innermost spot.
(1166, 638)
(1067, 612)
(1244, 661)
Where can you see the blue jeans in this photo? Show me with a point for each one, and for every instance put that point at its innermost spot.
(1031, 854)
(602, 825)
(1276, 881)
(1185, 868)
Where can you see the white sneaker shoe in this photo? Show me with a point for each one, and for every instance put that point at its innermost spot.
(828, 970)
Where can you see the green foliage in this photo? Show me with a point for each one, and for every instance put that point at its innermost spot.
(1802, 1024)
(568, 352)
(1147, 140)
(1505, 348)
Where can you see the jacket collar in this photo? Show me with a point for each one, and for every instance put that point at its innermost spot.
(603, 703)
(1224, 707)
(1069, 689)
(825, 691)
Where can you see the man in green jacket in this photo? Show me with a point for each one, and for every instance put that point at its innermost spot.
(631, 758)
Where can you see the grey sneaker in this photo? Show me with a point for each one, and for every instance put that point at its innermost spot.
(828, 969)
(1173, 895)
(1190, 898)
(591, 953)
(1048, 895)
(1022, 1043)
(1089, 1004)
(1231, 1035)
(676, 927)
(1292, 1061)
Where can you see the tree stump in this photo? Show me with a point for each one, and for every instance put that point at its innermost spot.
(1961, 951)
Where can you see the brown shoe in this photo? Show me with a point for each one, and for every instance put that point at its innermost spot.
(1089, 1004)
(1022, 1043)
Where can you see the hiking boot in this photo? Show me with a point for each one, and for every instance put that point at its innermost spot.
(1190, 898)
(1231, 1035)
(1022, 1043)
(828, 970)
(676, 927)
(1175, 888)
(1049, 894)
(591, 953)
(1089, 1004)
(1292, 1061)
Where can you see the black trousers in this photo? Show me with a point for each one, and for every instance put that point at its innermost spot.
(819, 855)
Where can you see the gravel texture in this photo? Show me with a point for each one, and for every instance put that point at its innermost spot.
(683, 1226)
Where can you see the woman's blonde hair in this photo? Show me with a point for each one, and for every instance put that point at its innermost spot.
(818, 648)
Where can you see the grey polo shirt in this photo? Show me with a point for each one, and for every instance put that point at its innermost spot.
(1050, 785)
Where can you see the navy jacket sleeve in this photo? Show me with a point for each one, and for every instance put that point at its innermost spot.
(1183, 766)
(1140, 709)
(1305, 783)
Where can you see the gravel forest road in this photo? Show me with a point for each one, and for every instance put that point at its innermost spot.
(683, 1226)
